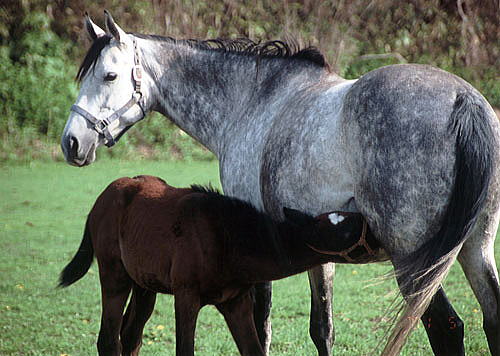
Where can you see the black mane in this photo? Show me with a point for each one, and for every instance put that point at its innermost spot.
(92, 55)
(230, 206)
(244, 46)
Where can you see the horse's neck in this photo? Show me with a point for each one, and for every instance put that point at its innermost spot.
(284, 254)
(300, 256)
(206, 91)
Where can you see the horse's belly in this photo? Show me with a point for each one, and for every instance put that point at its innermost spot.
(313, 191)
(305, 161)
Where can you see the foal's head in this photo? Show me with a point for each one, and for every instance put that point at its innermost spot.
(336, 229)
(111, 95)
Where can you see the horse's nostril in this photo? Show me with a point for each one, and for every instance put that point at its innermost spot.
(73, 146)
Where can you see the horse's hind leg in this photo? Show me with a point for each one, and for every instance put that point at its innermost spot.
(478, 262)
(139, 310)
(444, 327)
(238, 314)
(115, 288)
(321, 323)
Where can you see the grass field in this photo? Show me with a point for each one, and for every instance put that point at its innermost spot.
(42, 212)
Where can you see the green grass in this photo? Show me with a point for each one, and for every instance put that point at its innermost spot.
(43, 208)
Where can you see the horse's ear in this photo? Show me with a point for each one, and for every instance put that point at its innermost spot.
(113, 28)
(296, 216)
(93, 30)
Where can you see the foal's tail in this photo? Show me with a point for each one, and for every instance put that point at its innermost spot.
(421, 273)
(80, 263)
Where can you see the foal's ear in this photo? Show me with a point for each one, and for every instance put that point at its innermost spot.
(93, 30)
(113, 28)
(296, 216)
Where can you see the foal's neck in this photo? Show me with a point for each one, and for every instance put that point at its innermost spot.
(205, 91)
(283, 254)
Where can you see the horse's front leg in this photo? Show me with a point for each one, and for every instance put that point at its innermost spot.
(262, 314)
(187, 306)
(321, 321)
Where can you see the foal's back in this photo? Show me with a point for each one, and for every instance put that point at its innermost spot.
(134, 222)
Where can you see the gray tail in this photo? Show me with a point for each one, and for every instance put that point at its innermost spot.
(80, 263)
(421, 273)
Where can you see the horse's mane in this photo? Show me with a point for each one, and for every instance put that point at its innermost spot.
(231, 206)
(243, 46)
(246, 46)
(242, 217)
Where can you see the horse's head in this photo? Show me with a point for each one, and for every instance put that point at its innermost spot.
(111, 97)
(330, 232)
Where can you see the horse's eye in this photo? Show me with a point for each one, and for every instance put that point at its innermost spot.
(110, 77)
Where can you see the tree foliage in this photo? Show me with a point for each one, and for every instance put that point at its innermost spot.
(41, 42)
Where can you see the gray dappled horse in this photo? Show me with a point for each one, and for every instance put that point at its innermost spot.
(413, 148)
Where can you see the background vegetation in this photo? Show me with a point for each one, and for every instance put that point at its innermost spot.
(42, 42)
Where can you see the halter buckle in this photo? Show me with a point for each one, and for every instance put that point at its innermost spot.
(101, 125)
(137, 73)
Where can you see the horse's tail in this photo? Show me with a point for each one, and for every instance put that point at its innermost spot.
(80, 263)
(421, 273)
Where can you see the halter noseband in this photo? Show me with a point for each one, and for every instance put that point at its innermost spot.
(101, 125)
(345, 253)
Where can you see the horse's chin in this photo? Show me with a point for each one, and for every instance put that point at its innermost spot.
(87, 159)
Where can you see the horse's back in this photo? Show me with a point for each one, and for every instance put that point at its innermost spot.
(126, 201)
(397, 120)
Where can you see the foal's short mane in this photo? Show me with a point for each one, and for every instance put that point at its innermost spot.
(231, 206)
(243, 46)
(252, 224)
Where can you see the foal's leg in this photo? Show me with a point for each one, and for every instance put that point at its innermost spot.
(115, 288)
(187, 307)
(478, 262)
(321, 322)
(262, 313)
(444, 327)
(238, 314)
(139, 310)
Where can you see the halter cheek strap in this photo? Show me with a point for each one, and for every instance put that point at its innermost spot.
(101, 125)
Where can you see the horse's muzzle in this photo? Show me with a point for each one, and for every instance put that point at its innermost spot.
(74, 154)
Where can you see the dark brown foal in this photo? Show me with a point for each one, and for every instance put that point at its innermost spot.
(202, 247)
